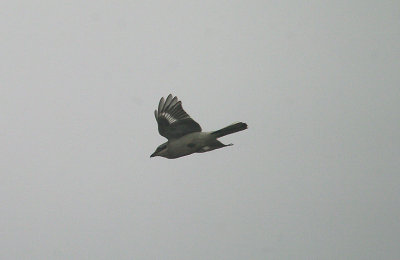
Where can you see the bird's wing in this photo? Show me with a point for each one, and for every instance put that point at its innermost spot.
(173, 121)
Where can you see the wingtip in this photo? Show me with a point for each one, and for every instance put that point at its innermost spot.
(161, 104)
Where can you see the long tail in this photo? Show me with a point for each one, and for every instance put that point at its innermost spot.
(230, 129)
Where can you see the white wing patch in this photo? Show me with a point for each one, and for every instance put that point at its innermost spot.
(172, 120)
(169, 117)
(170, 109)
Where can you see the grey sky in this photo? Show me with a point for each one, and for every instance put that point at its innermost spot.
(316, 175)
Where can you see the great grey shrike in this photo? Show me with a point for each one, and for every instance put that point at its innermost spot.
(184, 134)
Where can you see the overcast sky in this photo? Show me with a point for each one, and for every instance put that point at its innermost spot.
(316, 175)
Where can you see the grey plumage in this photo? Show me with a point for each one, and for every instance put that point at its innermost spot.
(185, 135)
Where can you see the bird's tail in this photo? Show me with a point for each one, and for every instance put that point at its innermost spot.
(230, 129)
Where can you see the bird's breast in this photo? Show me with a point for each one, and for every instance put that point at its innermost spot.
(189, 143)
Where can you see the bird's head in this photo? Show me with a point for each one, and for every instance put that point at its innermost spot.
(160, 151)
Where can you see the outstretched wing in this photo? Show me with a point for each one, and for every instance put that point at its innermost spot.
(173, 121)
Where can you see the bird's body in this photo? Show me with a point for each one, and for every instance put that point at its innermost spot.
(187, 144)
(184, 134)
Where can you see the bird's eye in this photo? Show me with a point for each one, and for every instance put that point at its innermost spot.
(162, 147)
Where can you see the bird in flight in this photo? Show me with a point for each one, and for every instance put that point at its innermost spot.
(183, 133)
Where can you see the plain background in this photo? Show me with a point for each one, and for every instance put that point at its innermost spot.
(316, 175)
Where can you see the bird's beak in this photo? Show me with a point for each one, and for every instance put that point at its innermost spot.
(153, 154)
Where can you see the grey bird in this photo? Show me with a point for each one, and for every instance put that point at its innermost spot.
(184, 134)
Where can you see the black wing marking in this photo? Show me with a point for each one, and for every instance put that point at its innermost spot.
(173, 121)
